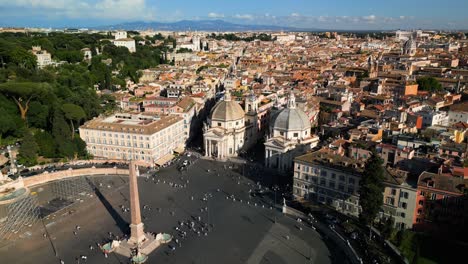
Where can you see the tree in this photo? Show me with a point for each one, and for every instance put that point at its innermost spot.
(28, 149)
(371, 189)
(22, 93)
(23, 58)
(430, 84)
(386, 227)
(47, 146)
(73, 113)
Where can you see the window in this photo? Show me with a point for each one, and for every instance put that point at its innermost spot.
(341, 187)
(423, 193)
(419, 211)
(219, 124)
(331, 184)
(333, 175)
(322, 182)
(350, 189)
(342, 178)
(403, 205)
(351, 180)
(281, 133)
(323, 173)
(296, 134)
(389, 200)
(421, 202)
(393, 191)
(403, 215)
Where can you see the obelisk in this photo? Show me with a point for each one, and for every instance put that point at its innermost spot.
(137, 234)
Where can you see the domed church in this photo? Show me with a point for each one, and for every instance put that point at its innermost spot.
(290, 136)
(224, 136)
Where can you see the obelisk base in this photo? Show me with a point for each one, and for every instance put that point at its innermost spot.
(146, 246)
(137, 234)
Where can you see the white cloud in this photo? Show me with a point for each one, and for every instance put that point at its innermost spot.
(295, 14)
(215, 15)
(370, 18)
(243, 16)
(102, 9)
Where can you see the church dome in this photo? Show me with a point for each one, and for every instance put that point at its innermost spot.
(227, 110)
(291, 118)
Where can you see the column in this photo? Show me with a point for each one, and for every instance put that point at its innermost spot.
(137, 234)
(221, 149)
(206, 147)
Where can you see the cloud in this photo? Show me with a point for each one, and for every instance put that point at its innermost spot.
(101, 9)
(370, 21)
(369, 18)
(215, 15)
(243, 16)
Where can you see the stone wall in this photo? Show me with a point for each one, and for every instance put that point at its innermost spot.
(59, 175)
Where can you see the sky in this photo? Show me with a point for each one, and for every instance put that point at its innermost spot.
(305, 14)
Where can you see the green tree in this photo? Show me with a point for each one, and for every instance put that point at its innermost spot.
(28, 149)
(23, 58)
(73, 113)
(46, 143)
(23, 92)
(386, 227)
(38, 115)
(371, 189)
(430, 84)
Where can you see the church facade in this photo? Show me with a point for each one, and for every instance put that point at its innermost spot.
(290, 136)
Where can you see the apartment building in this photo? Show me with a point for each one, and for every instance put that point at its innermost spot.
(440, 202)
(147, 138)
(399, 199)
(333, 179)
(330, 179)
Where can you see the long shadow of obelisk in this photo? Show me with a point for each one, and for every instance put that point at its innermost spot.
(121, 223)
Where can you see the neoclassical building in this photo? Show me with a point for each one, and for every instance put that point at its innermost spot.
(224, 136)
(290, 136)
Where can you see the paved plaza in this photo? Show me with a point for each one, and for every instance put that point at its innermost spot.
(234, 226)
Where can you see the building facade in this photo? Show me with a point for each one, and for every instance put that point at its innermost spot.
(329, 179)
(440, 202)
(290, 136)
(224, 136)
(43, 57)
(146, 138)
(121, 40)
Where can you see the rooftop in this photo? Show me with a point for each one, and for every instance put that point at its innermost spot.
(138, 124)
(328, 159)
(454, 185)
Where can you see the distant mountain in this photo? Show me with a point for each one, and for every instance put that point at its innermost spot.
(200, 25)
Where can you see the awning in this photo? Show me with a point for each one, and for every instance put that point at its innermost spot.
(179, 150)
(164, 159)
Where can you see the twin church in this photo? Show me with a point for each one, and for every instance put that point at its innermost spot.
(232, 130)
